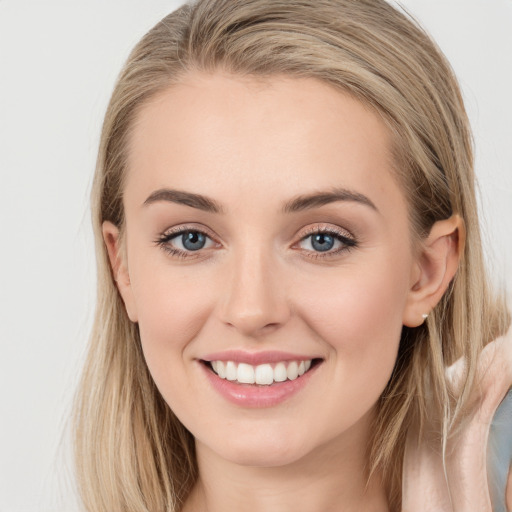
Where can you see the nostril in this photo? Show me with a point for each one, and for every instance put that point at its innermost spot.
(254, 305)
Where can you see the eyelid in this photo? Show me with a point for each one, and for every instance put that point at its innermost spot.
(327, 228)
(177, 230)
(345, 237)
(164, 239)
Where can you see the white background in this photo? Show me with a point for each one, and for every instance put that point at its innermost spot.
(58, 63)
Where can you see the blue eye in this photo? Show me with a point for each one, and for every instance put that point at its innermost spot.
(322, 242)
(328, 242)
(184, 242)
(193, 240)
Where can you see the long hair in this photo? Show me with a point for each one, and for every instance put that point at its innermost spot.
(132, 453)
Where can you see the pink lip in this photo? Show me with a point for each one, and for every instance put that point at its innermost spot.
(254, 395)
(256, 358)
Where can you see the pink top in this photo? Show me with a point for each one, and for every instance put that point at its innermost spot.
(466, 485)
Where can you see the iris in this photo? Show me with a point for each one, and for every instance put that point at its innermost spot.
(193, 240)
(322, 242)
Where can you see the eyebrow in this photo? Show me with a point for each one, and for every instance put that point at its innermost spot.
(317, 199)
(186, 198)
(297, 204)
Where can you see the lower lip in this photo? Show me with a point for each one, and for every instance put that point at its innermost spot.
(253, 395)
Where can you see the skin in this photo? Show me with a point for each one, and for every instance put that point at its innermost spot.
(259, 284)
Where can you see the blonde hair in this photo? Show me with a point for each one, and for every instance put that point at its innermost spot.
(132, 453)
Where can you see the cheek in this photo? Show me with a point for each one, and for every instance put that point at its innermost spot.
(355, 307)
(363, 330)
(359, 315)
(172, 309)
(165, 312)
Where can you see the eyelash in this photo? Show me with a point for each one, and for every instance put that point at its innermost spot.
(348, 242)
(165, 238)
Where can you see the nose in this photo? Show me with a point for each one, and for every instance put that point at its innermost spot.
(255, 301)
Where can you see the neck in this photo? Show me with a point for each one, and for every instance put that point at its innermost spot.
(332, 478)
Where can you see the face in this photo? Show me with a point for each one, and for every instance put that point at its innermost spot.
(266, 240)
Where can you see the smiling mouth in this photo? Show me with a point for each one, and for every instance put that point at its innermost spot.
(263, 374)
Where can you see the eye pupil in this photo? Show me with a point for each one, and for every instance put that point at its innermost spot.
(193, 240)
(322, 242)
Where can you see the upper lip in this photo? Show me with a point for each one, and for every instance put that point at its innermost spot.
(256, 358)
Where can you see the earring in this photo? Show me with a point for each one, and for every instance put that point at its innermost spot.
(424, 316)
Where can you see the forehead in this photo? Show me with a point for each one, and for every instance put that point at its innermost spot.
(240, 138)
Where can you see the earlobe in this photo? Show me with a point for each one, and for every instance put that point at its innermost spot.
(436, 265)
(118, 264)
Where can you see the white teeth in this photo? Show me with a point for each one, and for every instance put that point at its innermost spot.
(245, 374)
(230, 370)
(221, 371)
(280, 372)
(263, 374)
(293, 370)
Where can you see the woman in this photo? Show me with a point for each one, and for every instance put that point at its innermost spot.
(289, 259)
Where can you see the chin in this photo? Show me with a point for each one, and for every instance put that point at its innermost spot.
(263, 450)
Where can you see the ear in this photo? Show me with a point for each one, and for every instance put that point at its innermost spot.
(436, 265)
(118, 263)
